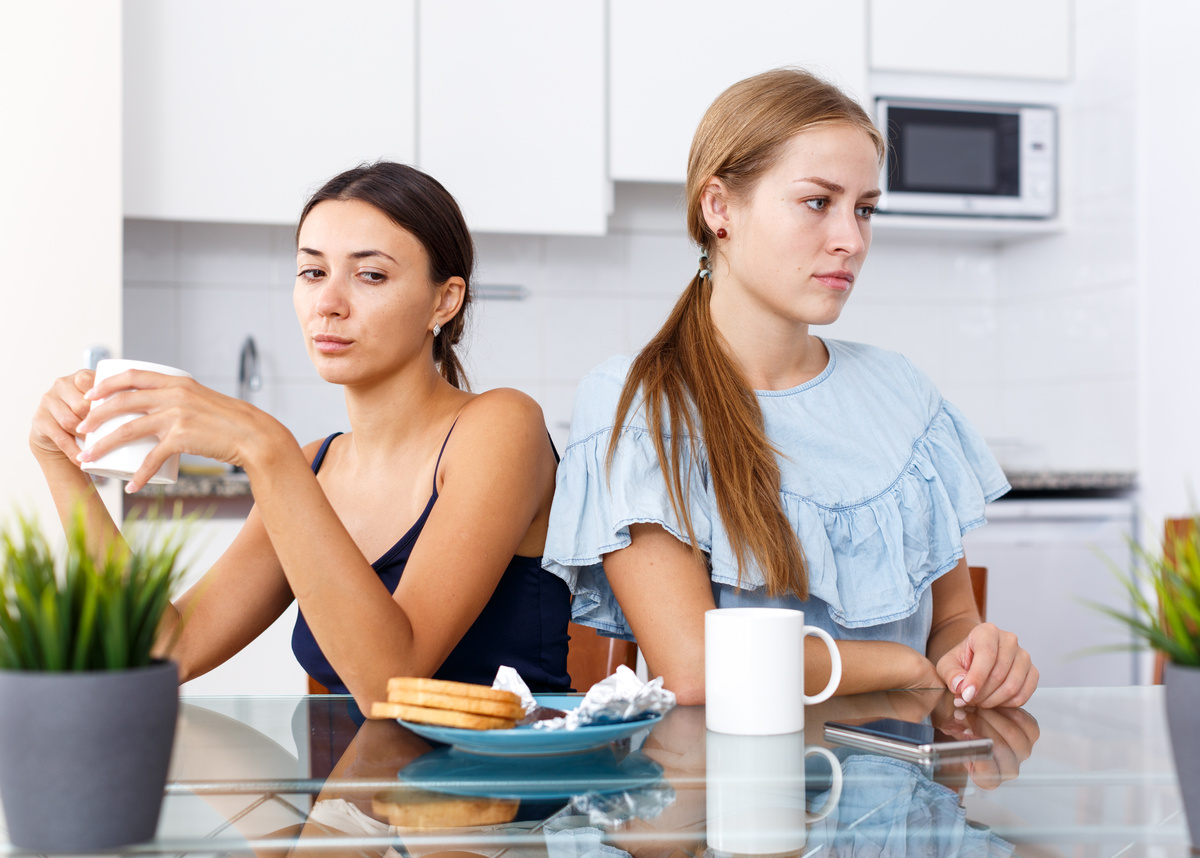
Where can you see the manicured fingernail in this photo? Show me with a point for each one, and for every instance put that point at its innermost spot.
(129, 489)
(88, 395)
(957, 682)
(969, 693)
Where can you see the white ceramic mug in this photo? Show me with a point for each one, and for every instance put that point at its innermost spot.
(754, 670)
(123, 462)
(755, 793)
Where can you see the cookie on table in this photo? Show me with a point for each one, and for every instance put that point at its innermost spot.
(441, 717)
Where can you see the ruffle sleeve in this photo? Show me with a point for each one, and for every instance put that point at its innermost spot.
(870, 562)
(595, 505)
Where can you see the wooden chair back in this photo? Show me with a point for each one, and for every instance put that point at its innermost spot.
(591, 656)
(979, 589)
(1174, 530)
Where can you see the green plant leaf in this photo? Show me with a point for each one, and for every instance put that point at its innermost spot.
(87, 609)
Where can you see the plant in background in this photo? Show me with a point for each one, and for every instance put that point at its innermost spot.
(76, 610)
(1164, 590)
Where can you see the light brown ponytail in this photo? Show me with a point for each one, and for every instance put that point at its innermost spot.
(685, 374)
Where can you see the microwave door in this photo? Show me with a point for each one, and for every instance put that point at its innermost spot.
(964, 161)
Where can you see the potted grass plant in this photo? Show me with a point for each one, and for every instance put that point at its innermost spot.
(1164, 590)
(87, 714)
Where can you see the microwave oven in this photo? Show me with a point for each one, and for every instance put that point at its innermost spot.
(968, 158)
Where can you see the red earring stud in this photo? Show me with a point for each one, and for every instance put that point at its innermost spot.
(721, 233)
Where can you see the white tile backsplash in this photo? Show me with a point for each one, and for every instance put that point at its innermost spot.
(150, 319)
(226, 253)
(589, 266)
(214, 323)
(505, 340)
(580, 332)
(151, 252)
(1076, 336)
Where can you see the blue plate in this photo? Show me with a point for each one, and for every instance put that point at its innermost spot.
(527, 740)
(538, 778)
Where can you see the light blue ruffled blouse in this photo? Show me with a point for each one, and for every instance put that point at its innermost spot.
(881, 477)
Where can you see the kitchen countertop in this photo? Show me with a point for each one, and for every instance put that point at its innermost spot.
(1072, 481)
(228, 485)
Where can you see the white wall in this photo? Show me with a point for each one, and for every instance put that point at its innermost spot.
(60, 210)
(1068, 304)
(1168, 183)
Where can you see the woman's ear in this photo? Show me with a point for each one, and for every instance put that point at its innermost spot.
(450, 299)
(714, 204)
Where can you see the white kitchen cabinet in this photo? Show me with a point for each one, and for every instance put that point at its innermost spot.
(511, 112)
(1045, 559)
(1015, 39)
(235, 111)
(669, 60)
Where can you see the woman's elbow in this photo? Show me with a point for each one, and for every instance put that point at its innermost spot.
(688, 689)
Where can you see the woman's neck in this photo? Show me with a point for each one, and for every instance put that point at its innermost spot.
(392, 414)
(772, 353)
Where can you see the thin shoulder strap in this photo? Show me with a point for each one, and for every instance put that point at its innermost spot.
(320, 457)
(553, 449)
(438, 465)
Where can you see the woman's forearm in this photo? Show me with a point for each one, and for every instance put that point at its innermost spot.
(74, 492)
(868, 666)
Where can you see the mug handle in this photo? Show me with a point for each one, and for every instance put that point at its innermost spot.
(835, 666)
(835, 791)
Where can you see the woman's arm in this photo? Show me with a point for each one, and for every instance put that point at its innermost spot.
(980, 663)
(497, 476)
(664, 592)
(52, 441)
(498, 451)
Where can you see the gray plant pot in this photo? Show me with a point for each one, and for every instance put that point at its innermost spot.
(1183, 723)
(84, 756)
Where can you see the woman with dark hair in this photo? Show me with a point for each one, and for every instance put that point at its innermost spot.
(449, 490)
(739, 460)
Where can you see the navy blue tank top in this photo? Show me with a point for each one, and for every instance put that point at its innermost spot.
(523, 625)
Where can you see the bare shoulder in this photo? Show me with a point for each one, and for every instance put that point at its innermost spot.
(311, 449)
(504, 408)
(501, 424)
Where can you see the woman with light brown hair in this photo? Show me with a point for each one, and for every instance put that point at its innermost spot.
(739, 460)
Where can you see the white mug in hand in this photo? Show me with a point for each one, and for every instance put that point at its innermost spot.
(754, 670)
(123, 462)
(756, 800)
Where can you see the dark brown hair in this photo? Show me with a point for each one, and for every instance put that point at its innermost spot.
(684, 373)
(417, 203)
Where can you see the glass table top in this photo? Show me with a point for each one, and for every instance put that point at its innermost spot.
(1084, 772)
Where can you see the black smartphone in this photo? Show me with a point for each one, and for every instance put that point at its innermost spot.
(909, 740)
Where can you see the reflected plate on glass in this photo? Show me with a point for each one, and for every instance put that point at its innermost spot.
(521, 741)
(539, 778)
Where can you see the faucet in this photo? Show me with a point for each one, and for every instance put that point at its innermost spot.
(249, 377)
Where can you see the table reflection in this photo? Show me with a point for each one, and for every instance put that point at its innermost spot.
(1082, 772)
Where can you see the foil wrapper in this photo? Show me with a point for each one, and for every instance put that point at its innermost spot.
(617, 698)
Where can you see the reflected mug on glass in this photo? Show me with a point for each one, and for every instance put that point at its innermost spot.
(123, 462)
(754, 670)
(756, 799)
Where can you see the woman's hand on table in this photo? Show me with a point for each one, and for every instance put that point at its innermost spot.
(60, 411)
(988, 669)
(184, 415)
